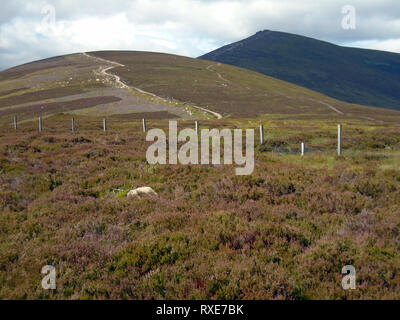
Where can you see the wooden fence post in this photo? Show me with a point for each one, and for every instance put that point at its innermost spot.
(144, 126)
(40, 124)
(15, 123)
(340, 132)
(73, 125)
(303, 149)
(105, 125)
(197, 127)
(262, 134)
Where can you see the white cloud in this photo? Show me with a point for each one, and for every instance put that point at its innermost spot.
(186, 27)
(392, 45)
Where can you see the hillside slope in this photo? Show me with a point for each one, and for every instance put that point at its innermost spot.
(366, 77)
(73, 84)
(161, 86)
(231, 91)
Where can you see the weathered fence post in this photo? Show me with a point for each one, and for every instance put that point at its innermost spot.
(15, 123)
(261, 134)
(73, 125)
(340, 131)
(303, 149)
(105, 125)
(197, 127)
(40, 124)
(144, 126)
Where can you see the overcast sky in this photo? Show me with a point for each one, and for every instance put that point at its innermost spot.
(35, 29)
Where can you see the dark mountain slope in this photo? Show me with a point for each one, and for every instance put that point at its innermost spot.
(361, 76)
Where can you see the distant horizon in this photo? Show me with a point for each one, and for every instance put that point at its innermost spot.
(196, 57)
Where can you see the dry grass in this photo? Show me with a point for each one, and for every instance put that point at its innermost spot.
(28, 68)
(43, 109)
(39, 95)
(160, 115)
(12, 91)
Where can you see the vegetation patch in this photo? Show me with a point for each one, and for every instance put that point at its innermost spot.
(283, 233)
(49, 108)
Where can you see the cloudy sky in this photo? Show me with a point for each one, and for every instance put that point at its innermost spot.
(34, 29)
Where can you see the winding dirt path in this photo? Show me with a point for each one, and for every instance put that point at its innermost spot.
(114, 64)
(315, 100)
(327, 104)
(215, 114)
(209, 68)
(117, 78)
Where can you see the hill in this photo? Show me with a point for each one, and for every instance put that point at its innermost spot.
(72, 84)
(360, 76)
(117, 83)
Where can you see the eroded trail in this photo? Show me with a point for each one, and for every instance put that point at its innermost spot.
(209, 68)
(328, 105)
(315, 100)
(104, 71)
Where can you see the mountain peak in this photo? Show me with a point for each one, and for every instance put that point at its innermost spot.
(263, 31)
(348, 74)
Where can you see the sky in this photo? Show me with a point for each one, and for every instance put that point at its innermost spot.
(37, 29)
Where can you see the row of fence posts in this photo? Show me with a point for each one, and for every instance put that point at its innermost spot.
(303, 144)
(262, 136)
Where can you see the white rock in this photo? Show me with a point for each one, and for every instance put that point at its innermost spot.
(144, 191)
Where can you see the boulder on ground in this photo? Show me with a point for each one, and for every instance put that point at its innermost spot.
(139, 192)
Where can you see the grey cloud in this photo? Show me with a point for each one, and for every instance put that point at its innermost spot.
(189, 27)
